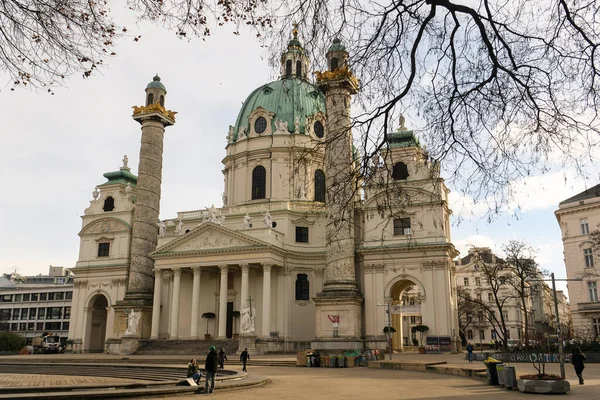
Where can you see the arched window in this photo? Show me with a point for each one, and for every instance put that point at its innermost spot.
(400, 171)
(302, 287)
(260, 125)
(259, 182)
(288, 68)
(334, 64)
(320, 186)
(298, 69)
(162, 100)
(109, 204)
(150, 99)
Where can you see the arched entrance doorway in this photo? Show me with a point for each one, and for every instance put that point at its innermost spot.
(96, 327)
(405, 296)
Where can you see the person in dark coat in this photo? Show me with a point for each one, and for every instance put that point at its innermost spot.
(470, 352)
(577, 360)
(222, 358)
(211, 366)
(244, 357)
(193, 371)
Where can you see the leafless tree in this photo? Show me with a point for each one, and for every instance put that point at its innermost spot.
(44, 41)
(520, 259)
(498, 90)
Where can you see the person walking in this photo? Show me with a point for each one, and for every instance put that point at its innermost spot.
(222, 358)
(244, 357)
(193, 371)
(470, 352)
(210, 367)
(577, 360)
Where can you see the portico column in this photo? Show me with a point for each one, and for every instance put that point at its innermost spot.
(195, 301)
(156, 304)
(223, 303)
(244, 292)
(175, 303)
(266, 309)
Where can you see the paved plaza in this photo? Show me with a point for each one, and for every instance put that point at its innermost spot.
(349, 383)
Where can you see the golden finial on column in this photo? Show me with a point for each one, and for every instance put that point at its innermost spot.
(295, 30)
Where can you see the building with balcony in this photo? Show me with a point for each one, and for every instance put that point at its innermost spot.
(577, 217)
(31, 305)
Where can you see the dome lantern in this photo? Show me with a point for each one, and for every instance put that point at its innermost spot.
(337, 56)
(294, 62)
(156, 92)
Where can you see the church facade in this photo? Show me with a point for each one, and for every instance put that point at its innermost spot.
(301, 254)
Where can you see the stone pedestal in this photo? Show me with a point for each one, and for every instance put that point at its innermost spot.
(247, 341)
(349, 327)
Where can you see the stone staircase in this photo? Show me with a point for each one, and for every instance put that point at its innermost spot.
(192, 348)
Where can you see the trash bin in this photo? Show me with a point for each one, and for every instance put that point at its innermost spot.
(332, 361)
(317, 360)
(510, 377)
(340, 362)
(500, 372)
(325, 361)
(301, 359)
(492, 374)
(349, 361)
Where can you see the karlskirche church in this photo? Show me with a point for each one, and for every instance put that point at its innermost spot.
(302, 254)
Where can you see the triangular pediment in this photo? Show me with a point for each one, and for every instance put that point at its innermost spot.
(210, 236)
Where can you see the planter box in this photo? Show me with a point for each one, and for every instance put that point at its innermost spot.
(540, 386)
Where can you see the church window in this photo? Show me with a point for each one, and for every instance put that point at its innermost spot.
(288, 68)
(400, 171)
(162, 100)
(301, 234)
(302, 287)
(320, 186)
(298, 69)
(402, 226)
(150, 99)
(103, 249)
(319, 129)
(260, 125)
(334, 64)
(259, 182)
(588, 256)
(109, 204)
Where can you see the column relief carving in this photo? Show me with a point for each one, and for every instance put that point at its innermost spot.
(267, 267)
(196, 270)
(245, 267)
(319, 272)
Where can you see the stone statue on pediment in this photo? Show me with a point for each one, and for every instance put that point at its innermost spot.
(281, 126)
(247, 221)
(179, 228)
(162, 228)
(267, 219)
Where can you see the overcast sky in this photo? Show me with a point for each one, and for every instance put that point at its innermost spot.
(56, 148)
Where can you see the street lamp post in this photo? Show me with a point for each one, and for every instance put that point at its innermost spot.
(389, 324)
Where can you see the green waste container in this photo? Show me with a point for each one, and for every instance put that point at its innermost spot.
(500, 372)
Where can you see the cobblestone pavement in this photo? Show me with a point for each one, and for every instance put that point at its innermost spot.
(352, 383)
(371, 384)
(30, 380)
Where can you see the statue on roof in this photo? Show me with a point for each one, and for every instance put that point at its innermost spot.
(162, 228)
(179, 228)
(125, 161)
(247, 221)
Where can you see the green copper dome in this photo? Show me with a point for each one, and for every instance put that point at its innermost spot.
(288, 99)
(156, 84)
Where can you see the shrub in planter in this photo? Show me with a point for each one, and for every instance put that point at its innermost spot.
(208, 316)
